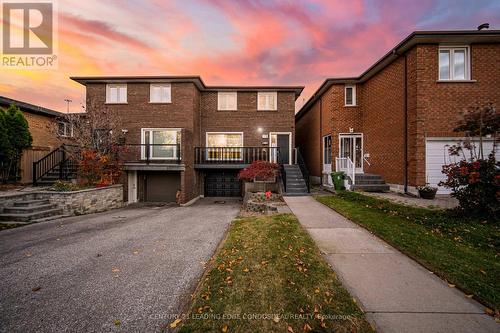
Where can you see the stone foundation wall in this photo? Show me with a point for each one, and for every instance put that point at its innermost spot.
(86, 201)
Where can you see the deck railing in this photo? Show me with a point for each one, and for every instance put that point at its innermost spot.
(234, 155)
(151, 153)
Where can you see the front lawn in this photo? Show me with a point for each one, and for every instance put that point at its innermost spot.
(461, 250)
(269, 276)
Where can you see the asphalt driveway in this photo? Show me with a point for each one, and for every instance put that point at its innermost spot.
(127, 270)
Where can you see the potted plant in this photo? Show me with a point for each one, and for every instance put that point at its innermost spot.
(427, 192)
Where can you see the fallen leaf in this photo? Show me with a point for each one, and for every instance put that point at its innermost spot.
(451, 285)
(117, 322)
(289, 329)
(115, 270)
(36, 288)
(469, 296)
(225, 328)
(482, 271)
(28, 254)
(175, 323)
(307, 328)
(316, 290)
(136, 252)
(489, 311)
(246, 270)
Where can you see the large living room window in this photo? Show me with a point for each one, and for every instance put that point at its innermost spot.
(116, 93)
(454, 63)
(227, 100)
(160, 143)
(350, 95)
(224, 146)
(267, 101)
(160, 93)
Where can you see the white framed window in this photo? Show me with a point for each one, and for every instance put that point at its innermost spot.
(116, 93)
(227, 100)
(160, 143)
(454, 63)
(224, 145)
(350, 95)
(160, 93)
(65, 129)
(267, 100)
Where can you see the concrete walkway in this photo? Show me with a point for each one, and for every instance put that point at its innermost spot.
(397, 294)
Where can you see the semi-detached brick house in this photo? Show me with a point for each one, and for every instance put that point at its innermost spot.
(397, 118)
(184, 135)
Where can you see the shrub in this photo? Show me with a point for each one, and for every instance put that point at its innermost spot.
(62, 186)
(99, 169)
(476, 185)
(259, 170)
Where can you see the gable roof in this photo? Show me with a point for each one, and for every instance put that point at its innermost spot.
(196, 80)
(27, 107)
(416, 37)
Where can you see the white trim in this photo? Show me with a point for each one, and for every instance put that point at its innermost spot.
(341, 135)
(354, 102)
(231, 159)
(262, 94)
(160, 84)
(227, 93)
(132, 186)
(451, 49)
(118, 86)
(143, 142)
(289, 144)
(192, 201)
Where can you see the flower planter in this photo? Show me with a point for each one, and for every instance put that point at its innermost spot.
(427, 194)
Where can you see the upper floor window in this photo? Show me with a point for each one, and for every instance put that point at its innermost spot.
(116, 93)
(350, 95)
(227, 100)
(64, 129)
(267, 100)
(454, 63)
(160, 93)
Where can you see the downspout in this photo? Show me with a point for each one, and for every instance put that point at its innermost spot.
(406, 124)
(320, 139)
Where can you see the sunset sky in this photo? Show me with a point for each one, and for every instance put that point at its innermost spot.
(231, 42)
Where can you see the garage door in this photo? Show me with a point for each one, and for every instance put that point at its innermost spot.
(222, 184)
(436, 155)
(159, 186)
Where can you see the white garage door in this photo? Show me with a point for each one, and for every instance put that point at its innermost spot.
(436, 155)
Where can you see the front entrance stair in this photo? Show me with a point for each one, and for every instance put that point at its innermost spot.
(295, 183)
(30, 211)
(370, 183)
(53, 175)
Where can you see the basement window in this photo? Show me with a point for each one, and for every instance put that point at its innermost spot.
(454, 64)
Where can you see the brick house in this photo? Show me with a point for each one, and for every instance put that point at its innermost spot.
(182, 135)
(47, 130)
(396, 119)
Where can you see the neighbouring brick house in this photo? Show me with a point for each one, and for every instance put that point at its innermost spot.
(397, 118)
(47, 130)
(183, 135)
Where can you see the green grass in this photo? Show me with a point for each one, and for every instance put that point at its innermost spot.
(270, 266)
(462, 250)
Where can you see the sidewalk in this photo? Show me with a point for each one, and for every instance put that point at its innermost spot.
(397, 294)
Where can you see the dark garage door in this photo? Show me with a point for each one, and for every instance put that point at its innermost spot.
(159, 186)
(222, 184)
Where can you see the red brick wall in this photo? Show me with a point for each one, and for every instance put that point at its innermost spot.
(247, 119)
(139, 113)
(43, 130)
(308, 139)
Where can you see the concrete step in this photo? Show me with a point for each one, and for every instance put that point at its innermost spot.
(371, 187)
(288, 194)
(369, 181)
(26, 217)
(290, 186)
(28, 209)
(24, 203)
(49, 218)
(367, 176)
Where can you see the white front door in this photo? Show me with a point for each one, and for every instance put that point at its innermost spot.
(351, 145)
(327, 159)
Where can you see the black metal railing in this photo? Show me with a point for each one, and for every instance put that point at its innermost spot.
(150, 153)
(235, 155)
(303, 168)
(60, 159)
(282, 170)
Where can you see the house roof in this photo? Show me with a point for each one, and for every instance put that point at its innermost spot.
(416, 37)
(196, 80)
(27, 107)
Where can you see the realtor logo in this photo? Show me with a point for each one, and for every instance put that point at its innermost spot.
(28, 34)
